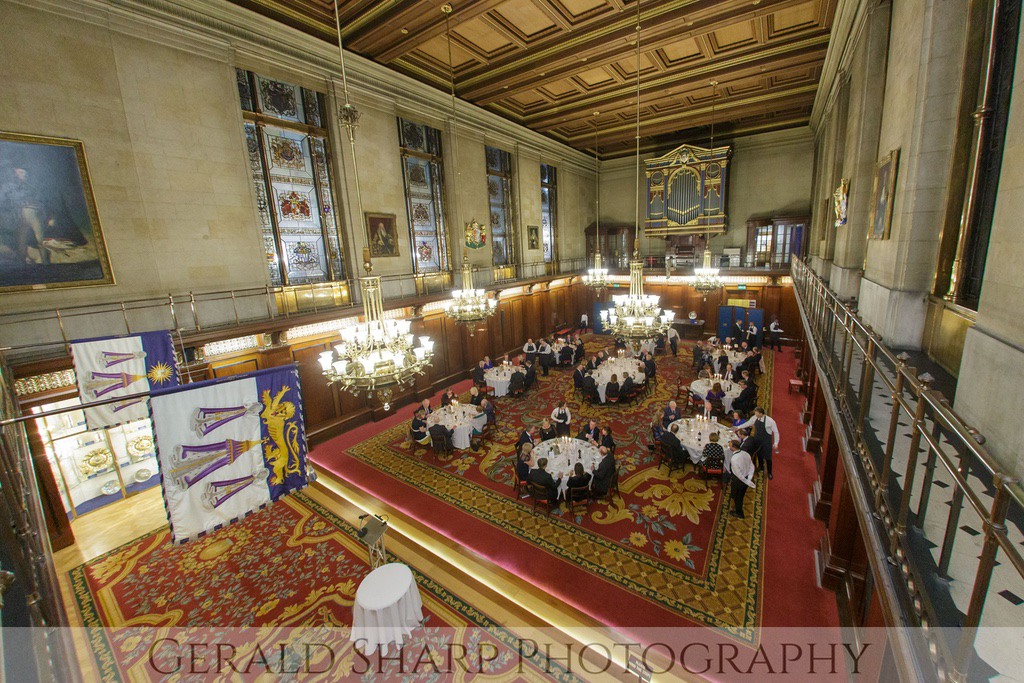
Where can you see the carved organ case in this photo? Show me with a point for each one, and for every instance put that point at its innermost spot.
(686, 191)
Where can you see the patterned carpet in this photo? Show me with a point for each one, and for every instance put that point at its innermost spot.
(287, 573)
(665, 540)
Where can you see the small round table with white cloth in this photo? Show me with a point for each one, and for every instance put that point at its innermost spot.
(618, 366)
(693, 434)
(563, 453)
(701, 387)
(387, 608)
(498, 378)
(462, 419)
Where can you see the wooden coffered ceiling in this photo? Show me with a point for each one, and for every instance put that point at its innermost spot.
(567, 68)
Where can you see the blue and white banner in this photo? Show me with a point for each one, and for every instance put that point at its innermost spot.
(228, 447)
(120, 366)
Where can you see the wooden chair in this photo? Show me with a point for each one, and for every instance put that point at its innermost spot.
(440, 446)
(540, 497)
(415, 445)
(577, 496)
(714, 465)
(518, 485)
(613, 488)
(664, 457)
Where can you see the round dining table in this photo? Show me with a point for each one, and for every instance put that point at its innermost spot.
(701, 387)
(499, 377)
(387, 608)
(618, 366)
(462, 419)
(694, 433)
(563, 453)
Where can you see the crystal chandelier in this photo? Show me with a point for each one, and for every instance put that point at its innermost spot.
(469, 305)
(377, 356)
(706, 279)
(597, 277)
(636, 317)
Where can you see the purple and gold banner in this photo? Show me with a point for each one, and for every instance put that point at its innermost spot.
(228, 447)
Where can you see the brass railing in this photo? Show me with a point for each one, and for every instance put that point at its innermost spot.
(947, 514)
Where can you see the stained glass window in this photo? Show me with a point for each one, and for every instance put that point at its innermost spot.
(549, 211)
(291, 178)
(499, 195)
(423, 173)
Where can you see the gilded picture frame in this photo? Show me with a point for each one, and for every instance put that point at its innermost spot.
(382, 234)
(533, 237)
(50, 232)
(882, 196)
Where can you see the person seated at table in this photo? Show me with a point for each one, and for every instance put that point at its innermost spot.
(488, 409)
(531, 374)
(601, 357)
(670, 414)
(590, 432)
(656, 432)
(727, 371)
(579, 478)
(590, 389)
(566, 355)
(478, 374)
(723, 363)
(747, 376)
(736, 376)
(757, 364)
(523, 462)
(425, 404)
(544, 356)
(650, 367)
(659, 343)
(543, 478)
(606, 438)
(735, 417)
(713, 452)
(592, 363)
(714, 398)
(441, 436)
(517, 382)
(619, 343)
(448, 397)
(705, 373)
(611, 390)
(673, 446)
(526, 437)
(418, 430)
(561, 416)
(698, 356)
(487, 363)
(530, 349)
(603, 473)
(547, 430)
(747, 399)
(578, 376)
(628, 387)
(579, 351)
(475, 397)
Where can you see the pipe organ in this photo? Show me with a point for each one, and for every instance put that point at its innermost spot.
(686, 191)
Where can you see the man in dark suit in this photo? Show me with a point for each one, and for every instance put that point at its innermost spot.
(592, 364)
(542, 477)
(419, 427)
(579, 352)
(750, 444)
(670, 414)
(603, 473)
(650, 368)
(478, 375)
(590, 388)
(525, 436)
(531, 374)
(590, 431)
(627, 386)
(517, 382)
(738, 333)
(442, 436)
(673, 448)
(488, 409)
(747, 399)
(577, 377)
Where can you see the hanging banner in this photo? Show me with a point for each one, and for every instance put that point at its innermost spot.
(228, 447)
(120, 366)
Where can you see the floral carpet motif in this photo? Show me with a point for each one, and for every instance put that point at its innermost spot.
(666, 538)
(287, 572)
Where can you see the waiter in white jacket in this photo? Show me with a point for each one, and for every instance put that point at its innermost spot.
(766, 432)
(742, 469)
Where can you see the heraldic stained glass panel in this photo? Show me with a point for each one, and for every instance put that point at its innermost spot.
(422, 165)
(499, 197)
(548, 210)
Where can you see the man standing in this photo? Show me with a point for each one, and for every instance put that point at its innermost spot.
(775, 334)
(742, 469)
(544, 352)
(766, 432)
(584, 323)
(673, 339)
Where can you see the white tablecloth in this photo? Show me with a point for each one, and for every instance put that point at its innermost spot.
(735, 358)
(562, 461)
(462, 419)
(693, 434)
(387, 608)
(618, 366)
(498, 378)
(701, 387)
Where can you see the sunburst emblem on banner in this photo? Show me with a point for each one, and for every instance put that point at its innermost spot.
(159, 373)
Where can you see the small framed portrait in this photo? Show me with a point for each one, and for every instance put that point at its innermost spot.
(50, 233)
(382, 234)
(882, 196)
(532, 237)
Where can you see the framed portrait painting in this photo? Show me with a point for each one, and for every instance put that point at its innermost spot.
(882, 196)
(532, 237)
(50, 233)
(382, 234)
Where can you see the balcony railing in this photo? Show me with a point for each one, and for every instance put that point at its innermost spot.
(949, 517)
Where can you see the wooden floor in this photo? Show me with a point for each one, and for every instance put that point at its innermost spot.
(508, 599)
